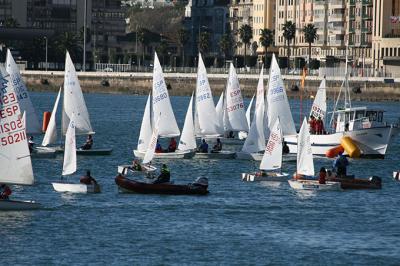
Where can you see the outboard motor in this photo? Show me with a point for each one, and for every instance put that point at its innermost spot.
(375, 179)
(201, 181)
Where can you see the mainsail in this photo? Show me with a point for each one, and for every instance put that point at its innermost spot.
(305, 163)
(188, 139)
(152, 143)
(272, 158)
(318, 108)
(51, 132)
(145, 129)
(69, 165)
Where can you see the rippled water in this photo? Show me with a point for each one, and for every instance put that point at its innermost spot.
(237, 223)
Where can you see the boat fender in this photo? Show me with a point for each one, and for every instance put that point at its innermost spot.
(350, 147)
(375, 179)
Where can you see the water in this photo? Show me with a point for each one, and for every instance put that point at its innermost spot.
(237, 223)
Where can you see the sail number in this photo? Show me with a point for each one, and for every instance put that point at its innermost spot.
(9, 111)
(203, 97)
(273, 140)
(11, 126)
(159, 87)
(13, 138)
(8, 98)
(235, 107)
(160, 97)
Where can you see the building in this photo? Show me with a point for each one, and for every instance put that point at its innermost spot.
(386, 36)
(205, 15)
(263, 18)
(240, 13)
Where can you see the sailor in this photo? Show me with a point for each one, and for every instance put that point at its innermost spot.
(164, 176)
(5, 192)
(88, 144)
(31, 143)
(159, 149)
(218, 146)
(203, 147)
(88, 179)
(136, 165)
(322, 176)
(285, 148)
(340, 165)
(312, 123)
(172, 145)
(319, 124)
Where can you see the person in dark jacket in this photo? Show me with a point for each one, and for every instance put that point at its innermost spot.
(5, 192)
(164, 176)
(88, 144)
(340, 165)
(88, 179)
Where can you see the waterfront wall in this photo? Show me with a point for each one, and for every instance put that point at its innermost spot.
(372, 89)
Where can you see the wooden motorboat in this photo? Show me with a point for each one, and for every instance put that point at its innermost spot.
(302, 184)
(131, 186)
(146, 169)
(350, 182)
(16, 205)
(271, 176)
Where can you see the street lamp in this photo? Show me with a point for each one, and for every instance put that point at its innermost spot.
(45, 38)
(84, 38)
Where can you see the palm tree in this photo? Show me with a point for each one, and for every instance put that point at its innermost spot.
(266, 40)
(225, 44)
(310, 35)
(143, 39)
(162, 49)
(183, 39)
(68, 41)
(204, 42)
(289, 32)
(246, 34)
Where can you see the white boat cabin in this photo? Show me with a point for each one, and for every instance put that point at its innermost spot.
(357, 118)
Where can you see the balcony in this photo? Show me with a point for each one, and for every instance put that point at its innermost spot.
(352, 2)
(367, 16)
(366, 29)
(352, 30)
(352, 16)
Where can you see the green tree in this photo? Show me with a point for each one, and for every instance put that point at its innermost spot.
(162, 49)
(183, 38)
(143, 39)
(245, 34)
(10, 23)
(204, 42)
(266, 40)
(68, 41)
(289, 32)
(310, 35)
(225, 45)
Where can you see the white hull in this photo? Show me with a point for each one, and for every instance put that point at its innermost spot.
(43, 152)
(373, 142)
(15, 205)
(216, 155)
(240, 155)
(124, 169)
(314, 185)
(167, 155)
(226, 141)
(396, 175)
(276, 177)
(75, 188)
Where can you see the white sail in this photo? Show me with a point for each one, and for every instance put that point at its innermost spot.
(15, 160)
(318, 108)
(305, 163)
(32, 122)
(207, 116)
(74, 103)
(145, 129)
(69, 165)
(51, 133)
(162, 104)
(220, 110)
(255, 140)
(272, 158)
(278, 104)
(234, 103)
(153, 142)
(188, 139)
(248, 112)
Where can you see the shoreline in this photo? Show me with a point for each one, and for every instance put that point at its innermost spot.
(183, 84)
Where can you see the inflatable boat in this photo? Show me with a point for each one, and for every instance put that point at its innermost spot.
(350, 182)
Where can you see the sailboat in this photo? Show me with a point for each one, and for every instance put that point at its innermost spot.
(243, 134)
(161, 105)
(272, 159)
(188, 137)
(70, 165)
(362, 126)
(73, 105)
(305, 165)
(15, 163)
(207, 122)
(255, 141)
(132, 186)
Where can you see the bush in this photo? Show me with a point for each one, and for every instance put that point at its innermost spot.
(208, 61)
(251, 60)
(299, 62)
(283, 62)
(238, 61)
(315, 64)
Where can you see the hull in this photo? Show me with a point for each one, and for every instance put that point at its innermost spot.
(75, 188)
(15, 205)
(167, 155)
(216, 155)
(91, 152)
(240, 155)
(125, 169)
(130, 186)
(226, 141)
(373, 142)
(314, 185)
(43, 153)
(358, 183)
(276, 177)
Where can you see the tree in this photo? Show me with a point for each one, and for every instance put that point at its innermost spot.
(162, 49)
(225, 44)
(289, 32)
(204, 42)
(68, 41)
(10, 23)
(310, 35)
(143, 39)
(246, 34)
(183, 36)
(266, 40)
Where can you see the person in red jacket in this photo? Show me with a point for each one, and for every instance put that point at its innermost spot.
(5, 192)
(313, 124)
(172, 145)
(322, 176)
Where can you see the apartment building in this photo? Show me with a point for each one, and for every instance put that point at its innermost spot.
(240, 13)
(263, 18)
(386, 36)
